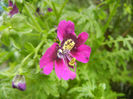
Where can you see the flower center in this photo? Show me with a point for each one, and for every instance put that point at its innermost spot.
(60, 53)
(68, 45)
(10, 8)
(64, 50)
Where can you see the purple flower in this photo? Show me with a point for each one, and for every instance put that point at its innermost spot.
(63, 57)
(49, 9)
(14, 8)
(38, 10)
(19, 82)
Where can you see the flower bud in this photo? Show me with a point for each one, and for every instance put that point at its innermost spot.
(19, 82)
(49, 9)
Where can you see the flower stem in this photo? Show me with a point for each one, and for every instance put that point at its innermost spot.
(33, 18)
(38, 47)
(24, 60)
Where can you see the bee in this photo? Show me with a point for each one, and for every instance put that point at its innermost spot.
(57, 40)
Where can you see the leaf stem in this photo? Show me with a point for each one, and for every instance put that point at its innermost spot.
(33, 18)
(113, 41)
(38, 47)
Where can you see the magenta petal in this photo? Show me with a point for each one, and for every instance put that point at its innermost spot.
(82, 38)
(10, 4)
(14, 10)
(82, 53)
(46, 62)
(65, 28)
(48, 68)
(62, 71)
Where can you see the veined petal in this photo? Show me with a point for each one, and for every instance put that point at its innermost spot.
(62, 71)
(65, 28)
(82, 38)
(46, 62)
(82, 53)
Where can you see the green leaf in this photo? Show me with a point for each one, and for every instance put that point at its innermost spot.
(5, 39)
(29, 47)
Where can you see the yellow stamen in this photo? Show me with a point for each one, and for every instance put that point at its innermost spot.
(68, 45)
(72, 62)
(10, 8)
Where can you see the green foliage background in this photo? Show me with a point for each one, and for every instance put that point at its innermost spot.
(25, 37)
